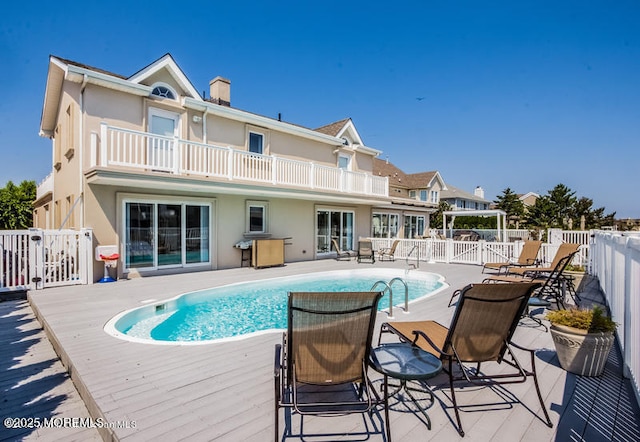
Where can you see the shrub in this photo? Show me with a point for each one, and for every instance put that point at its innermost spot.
(593, 320)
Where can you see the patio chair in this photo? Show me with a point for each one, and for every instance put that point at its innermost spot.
(564, 250)
(342, 254)
(388, 254)
(552, 286)
(365, 251)
(321, 365)
(528, 257)
(481, 330)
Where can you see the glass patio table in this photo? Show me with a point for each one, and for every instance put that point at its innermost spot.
(405, 362)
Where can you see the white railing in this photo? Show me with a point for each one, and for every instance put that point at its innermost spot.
(35, 259)
(472, 252)
(45, 186)
(582, 237)
(616, 264)
(143, 150)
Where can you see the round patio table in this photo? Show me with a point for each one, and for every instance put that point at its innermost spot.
(404, 362)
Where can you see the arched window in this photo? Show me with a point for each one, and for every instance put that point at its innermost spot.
(163, 91)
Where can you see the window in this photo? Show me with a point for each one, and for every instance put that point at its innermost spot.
(163, 91)
(344, 162)
(257, 216)
(412, 194)
(256, 142)
(413, 226)
(423, 195)
(384, 225)
(435, 196)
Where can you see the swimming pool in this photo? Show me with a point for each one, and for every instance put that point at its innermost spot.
(244, 309)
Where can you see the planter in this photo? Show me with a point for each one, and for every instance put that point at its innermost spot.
(581, 352)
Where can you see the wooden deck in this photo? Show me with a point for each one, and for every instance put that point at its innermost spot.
(224, 391)
(33, 382)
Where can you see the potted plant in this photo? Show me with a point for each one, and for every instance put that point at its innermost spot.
(583, 339)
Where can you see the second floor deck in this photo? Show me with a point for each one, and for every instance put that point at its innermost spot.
(143, 151)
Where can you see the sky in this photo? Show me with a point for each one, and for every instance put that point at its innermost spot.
(499, 94)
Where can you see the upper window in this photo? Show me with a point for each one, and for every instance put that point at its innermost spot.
(423, 195)
(256, 142)
(435, 196)
(163, 91)
(344, 162)
(257, 216)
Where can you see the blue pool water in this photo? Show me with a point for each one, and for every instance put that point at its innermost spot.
(246, 308)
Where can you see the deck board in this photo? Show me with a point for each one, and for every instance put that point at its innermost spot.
(224, 391)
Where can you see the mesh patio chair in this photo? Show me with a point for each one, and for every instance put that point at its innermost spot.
(564, 250)
(481, 330)
(365, 251)
(388, 254)
(528, 257)
(321, 366)
(342, 254)
(553, 286)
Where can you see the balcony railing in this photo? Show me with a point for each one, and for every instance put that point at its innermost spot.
(146, 151)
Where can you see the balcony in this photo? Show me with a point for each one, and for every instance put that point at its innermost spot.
(118, 147)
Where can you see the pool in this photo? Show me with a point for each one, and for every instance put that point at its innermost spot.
(245, 309)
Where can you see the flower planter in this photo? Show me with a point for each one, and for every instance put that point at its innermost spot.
(581, 352)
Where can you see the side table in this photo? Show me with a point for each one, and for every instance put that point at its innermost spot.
(404, 362)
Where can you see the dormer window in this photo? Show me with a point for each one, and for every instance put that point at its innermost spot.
(345, 141)
(163, 91)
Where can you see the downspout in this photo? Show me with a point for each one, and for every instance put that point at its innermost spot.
(85, 79)
(204, 125)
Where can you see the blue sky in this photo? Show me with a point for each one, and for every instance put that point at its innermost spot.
(499, 94)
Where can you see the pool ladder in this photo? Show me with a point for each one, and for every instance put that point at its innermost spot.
(390, 290)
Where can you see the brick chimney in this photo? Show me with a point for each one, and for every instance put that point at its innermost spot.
(220, 91)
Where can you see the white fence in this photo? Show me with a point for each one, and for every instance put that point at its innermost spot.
(147, 151)
(616, 263)
(36, 259)
(470, 252)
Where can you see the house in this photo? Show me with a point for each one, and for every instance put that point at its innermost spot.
(458, 199)
(413, 198)
(528, 199)
(176, 181)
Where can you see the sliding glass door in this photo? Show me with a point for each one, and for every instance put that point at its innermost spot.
(334, 224)
(166, 234)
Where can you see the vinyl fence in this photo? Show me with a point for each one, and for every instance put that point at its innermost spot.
(616, 263)
(36, 259)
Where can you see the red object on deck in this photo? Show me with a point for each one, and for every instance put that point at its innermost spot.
(111, 257)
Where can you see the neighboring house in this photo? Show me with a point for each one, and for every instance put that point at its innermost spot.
(458, 199)
(413, 198)
(529, 198)
(176, 180)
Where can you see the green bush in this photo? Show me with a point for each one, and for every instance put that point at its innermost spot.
(593, 320)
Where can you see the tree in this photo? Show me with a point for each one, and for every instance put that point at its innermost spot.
(563, 203)
(511, 204)
(542, 214)
(589, 218)
(436, 219)
(16, 205)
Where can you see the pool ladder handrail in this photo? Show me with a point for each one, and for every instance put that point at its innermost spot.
(390, 290)
(417, 264)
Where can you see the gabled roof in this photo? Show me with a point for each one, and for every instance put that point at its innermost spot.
(454, 192)
(61, 70)
(166, 62)
(333, 129)
(346, 130)
(398, 178)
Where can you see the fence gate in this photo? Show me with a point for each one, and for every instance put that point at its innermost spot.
(35, 259)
